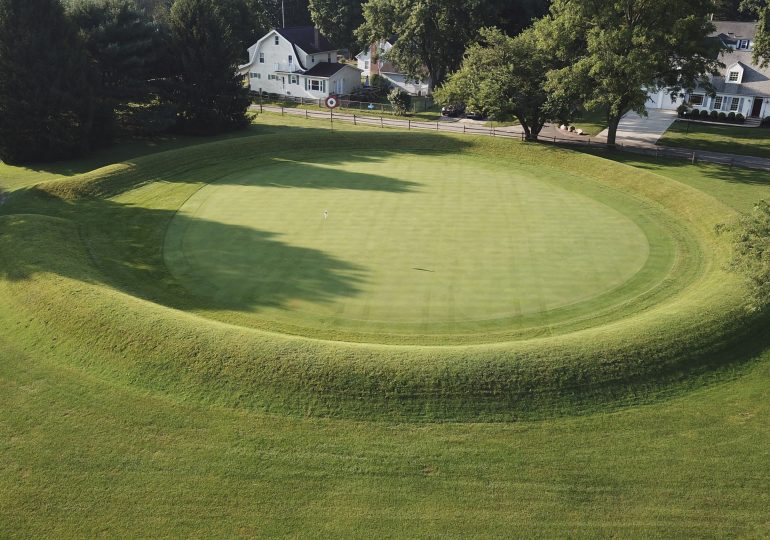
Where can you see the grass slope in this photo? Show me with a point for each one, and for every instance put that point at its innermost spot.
(715, 138)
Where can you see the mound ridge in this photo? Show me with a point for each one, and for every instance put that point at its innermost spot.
(82, 259)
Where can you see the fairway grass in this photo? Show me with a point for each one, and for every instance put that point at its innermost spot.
(133, 405)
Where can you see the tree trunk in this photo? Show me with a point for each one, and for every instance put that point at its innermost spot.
(612, 129)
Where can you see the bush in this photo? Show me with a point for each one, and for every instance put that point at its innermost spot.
(740, 118)
(714, 116)
(401, 101)
(682, 110)
(722, 117)
(703, 114)
(752, 252)
(766, 121)
(731, 117)
(380, 86)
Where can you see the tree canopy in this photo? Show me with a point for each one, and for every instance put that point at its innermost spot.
(621, 49)
(210, 95)
(432, 35)
(338, 21)
(506, 76)
(46, 106)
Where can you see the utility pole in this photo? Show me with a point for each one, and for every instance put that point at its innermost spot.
(283, 14)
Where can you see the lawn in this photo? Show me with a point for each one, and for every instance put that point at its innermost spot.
(591, 122)
(117, 421)
(715, 138)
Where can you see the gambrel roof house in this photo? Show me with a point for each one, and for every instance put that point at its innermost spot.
(298, 62)
(741, 86)
(373, 61)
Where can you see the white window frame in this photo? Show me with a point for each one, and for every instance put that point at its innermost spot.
(696, 100)
(293, 79)
(255, 75)
(733, 76)
(277, 40)
(719, 102)
(366, 64)
(261, 58)
(734, 104)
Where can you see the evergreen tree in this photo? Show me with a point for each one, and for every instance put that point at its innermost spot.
(210, 95)
(46, 87)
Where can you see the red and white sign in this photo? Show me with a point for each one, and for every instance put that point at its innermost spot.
(332, 102)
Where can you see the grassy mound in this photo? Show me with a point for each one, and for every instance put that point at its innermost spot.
(82, 260)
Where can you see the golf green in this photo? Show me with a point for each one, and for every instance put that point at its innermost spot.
(419, 242)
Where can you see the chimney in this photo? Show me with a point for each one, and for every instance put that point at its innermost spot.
(317, 38)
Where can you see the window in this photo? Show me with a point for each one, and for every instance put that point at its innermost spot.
(315, 85)
(276, 40)
(293, 79)
(312, 59)
(718, 103)
(696, 100)
(743, 44)
(733, 76)
(366, 64)
(734, 104)
(255, 76)
(291, 59)
(261, 58)
(329, 58)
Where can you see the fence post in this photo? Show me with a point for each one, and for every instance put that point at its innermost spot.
(693, 158)
(306, 113)
(354, 120)
(463, 128)
(381, 123)
(409, 123)
(493, 131)
(436, 126)
(281, 109)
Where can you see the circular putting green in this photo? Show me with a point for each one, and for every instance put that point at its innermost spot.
(420, 243)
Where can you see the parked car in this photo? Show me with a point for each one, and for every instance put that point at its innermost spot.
(474, 115)
(454, 110)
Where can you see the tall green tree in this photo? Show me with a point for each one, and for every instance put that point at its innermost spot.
(506, 76)
(760, 10)
(432, 34)
(46, 84)
(621, 48)
(250, 20)
(210, 95)
(338, 20)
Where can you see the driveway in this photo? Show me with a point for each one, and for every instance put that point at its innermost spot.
(635, 130)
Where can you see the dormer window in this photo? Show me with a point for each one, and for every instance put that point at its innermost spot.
(743, 44)
(277, 40)
(734, 76)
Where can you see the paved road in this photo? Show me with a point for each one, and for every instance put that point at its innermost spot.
(635, 134)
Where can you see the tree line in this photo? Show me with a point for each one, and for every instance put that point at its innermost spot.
(73, 73)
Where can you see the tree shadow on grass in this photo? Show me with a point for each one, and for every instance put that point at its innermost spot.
(252, 269)
(84, 235)
(231, 160)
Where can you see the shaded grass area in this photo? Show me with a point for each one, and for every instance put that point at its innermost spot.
(715, 138)
(592, 122)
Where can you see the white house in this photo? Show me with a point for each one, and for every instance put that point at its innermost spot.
(741, 87)
(298, 62)
(373, 61)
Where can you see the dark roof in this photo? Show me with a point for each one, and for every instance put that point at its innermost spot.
(756, 80)
(324, 69)
(304, 38)
(731, 31)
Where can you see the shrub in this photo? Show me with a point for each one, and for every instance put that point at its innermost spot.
(682, 110)
(714, 115)
(722, 117)
(740, 118)
(703, 114)
(731, 117)
(752, 252)
(766, 121)
(400, 100)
